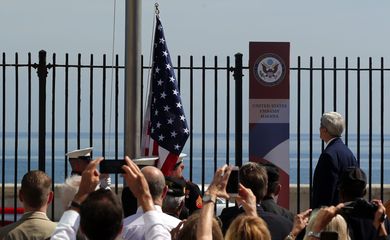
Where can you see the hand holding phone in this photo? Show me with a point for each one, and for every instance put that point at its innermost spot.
(112, 166)
(233, 182)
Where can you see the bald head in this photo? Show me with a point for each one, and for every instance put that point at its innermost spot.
(156, 181)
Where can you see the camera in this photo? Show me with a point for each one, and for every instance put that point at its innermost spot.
(360, 208)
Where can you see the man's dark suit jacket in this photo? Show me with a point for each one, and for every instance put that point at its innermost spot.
(269, 205)
(363, 229)
(335, 158)
(278, 226)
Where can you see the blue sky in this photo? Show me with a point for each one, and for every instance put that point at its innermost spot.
(202, 27)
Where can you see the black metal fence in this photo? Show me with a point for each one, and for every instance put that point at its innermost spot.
(83, 107)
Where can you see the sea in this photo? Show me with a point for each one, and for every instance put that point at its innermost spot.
(215, 154)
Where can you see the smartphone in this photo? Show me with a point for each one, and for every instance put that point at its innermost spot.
(233, 182)
(112, 166)
(329, 235)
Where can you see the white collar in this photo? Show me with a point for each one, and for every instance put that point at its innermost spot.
(327, 143)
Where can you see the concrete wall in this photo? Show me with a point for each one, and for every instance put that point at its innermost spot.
(304, 195)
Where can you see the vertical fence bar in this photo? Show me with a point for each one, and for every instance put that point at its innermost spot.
(334, 84)
(116, 115)
(370, 130)
(142, 94)
(91, 101)
(322, 93)
(311, 127)
(78, 100)
(191, 115)
(53, 104)
(299, 136)
(382, 127)
(228, 110)
(238, 84)
(42, 74)
(203, 119)
(215, 112)
(66, 111)
(358, 112)
(29, 114)
(16, 134)
(346, 101)
(3, 144)
(104, 105)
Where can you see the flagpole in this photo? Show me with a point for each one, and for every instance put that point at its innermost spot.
(132, 128)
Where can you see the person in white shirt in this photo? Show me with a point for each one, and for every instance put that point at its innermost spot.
(134, 225)
(84, 201)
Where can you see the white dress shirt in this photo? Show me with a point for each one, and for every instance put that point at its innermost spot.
(134, 226)
(69, 224)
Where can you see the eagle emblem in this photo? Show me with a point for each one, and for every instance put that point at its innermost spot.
(269, 69)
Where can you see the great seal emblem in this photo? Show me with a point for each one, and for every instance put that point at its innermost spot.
(269, 69)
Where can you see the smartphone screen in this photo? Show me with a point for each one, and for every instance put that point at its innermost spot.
(232, 185)
(112, 166)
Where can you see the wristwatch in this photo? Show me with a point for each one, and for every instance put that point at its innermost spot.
(209, 198)
(314, 234)
(290, 236)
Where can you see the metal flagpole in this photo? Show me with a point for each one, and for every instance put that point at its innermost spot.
(132, 79)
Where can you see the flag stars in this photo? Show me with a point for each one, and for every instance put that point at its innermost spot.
(168, 66)
(177, 147)
(178, 105)
(156, 113)
(182, 117)
(158, 124)
(160, 27)
(175, 92)
(172, 79)
(186, 131)
(170, 121)
(159, 82)
(165, 53)
(166, 108)
(157, 70)
(162, 40)
(152, 130)
(163, 95)
(173, 134)
(161, 137)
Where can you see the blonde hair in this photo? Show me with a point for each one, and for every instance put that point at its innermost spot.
(248, 227)
(338, 224)
(188, 231)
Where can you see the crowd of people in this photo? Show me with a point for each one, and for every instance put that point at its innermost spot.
(170, 207)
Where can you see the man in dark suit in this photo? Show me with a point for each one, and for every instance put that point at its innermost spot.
(270, 201)
(352, 187)
(35, 194)
(335, 158)
(254, 176)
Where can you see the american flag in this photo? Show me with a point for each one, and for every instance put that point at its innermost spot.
(165, 129)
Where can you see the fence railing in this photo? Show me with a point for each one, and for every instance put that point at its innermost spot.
(84, 107)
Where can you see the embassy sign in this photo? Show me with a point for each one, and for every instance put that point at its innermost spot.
(269, 108)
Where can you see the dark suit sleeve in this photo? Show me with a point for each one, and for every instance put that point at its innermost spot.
(325, 181)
